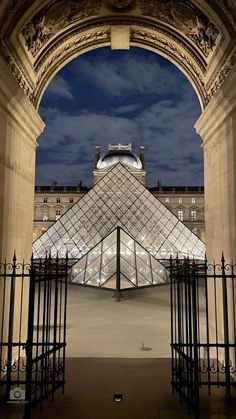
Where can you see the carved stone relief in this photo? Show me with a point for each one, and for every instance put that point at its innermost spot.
(53, 18)
(222, 74)
(187, 18)
(16, 71)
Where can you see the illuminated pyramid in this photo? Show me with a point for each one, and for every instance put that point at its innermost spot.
(119, 199)
(118, 263)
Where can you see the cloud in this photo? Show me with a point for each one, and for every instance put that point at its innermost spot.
(129, 75)
(135, 99)
(59, 88)
(165, 128)
(127, 109)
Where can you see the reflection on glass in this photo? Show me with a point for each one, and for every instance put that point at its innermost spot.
(102, 266)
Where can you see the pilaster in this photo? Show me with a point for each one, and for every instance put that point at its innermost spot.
(217, 127)
(20, 126)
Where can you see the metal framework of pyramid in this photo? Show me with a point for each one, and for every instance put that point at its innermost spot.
(119, 200)
(118, 263)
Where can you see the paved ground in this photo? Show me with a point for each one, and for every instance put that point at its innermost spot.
(136, 327)
(121, 347)
(144, 383)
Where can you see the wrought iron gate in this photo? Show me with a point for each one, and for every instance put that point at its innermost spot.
(203, 329)
(33, 301)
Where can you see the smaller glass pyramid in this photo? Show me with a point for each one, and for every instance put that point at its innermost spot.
(118, 262)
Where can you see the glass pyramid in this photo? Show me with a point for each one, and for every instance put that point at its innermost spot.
(118, 262)
(119, 199)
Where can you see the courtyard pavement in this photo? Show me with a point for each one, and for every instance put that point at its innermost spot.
(136, 327)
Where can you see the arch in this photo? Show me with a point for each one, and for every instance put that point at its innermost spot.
(173, 55)
(40, 38)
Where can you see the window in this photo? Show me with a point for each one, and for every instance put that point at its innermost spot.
(45, 200)
(58, 214)
(58, 200)
(167, 200)
(193, 200)
(71, 200)
(194, 231)
(180, 215)
(193, 215)
(180, 200)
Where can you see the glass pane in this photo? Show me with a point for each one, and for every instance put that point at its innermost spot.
(119, 199)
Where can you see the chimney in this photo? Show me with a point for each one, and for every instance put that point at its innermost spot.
(141, 154)
(97, 154)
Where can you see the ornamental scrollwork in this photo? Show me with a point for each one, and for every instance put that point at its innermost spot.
(185, 17)
(222, 74)
(16, 71)
(53, 18)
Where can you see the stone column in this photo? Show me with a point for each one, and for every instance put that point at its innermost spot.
(217, 127)
(20, 126)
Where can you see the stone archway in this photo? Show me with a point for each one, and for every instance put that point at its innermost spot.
(38, 38)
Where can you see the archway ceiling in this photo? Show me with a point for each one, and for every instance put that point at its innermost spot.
(38, 38)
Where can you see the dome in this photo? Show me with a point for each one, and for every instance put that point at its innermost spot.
(126, 157)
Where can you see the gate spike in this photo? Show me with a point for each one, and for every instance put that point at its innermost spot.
(14, 256)
(222, 258)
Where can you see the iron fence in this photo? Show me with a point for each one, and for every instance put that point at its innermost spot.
(32, 331)
(203, 329)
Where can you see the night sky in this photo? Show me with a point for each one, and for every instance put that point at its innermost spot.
(124, 97)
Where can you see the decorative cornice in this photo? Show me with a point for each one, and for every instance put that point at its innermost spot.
(142, 23)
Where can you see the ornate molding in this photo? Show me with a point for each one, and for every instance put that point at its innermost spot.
(187, 18)
(222, 74)
(53, 18)
(143, 37)
(17, 71)
(64, 37)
